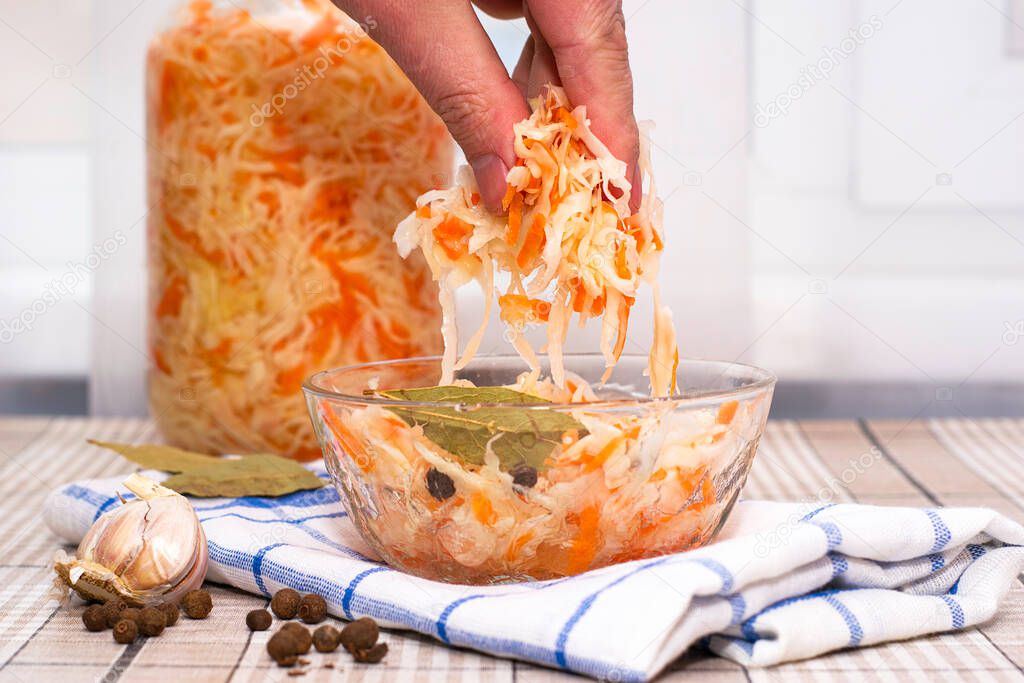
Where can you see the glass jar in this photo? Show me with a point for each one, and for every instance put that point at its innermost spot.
(283, 148)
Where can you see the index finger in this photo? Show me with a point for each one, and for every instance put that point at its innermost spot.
(443, 49)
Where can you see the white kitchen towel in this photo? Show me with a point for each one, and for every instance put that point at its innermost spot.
(782, 582)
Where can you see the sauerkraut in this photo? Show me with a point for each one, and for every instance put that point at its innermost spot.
(283, 148)
(633, 482)
(568, 242)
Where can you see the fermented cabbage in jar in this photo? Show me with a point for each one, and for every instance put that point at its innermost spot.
(282, 148)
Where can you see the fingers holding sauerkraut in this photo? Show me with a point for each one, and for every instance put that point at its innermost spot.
(569, 243)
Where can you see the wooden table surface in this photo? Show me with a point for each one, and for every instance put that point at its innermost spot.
(927, 463)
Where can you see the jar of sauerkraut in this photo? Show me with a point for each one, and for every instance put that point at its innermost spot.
(283, 147)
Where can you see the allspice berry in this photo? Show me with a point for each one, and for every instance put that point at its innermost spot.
(151, 621)
(283, 648)
(171, 612)
(112, 609)
(439, 484)
(326, 638)
(258, 620)
(524, 475)
(197, 604)
(371, 656)
(94, 618)
(312, 609)
(125, 632)
(285, 603)
(360, 634)
(303, 638)
(130, 613)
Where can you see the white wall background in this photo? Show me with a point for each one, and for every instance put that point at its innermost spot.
(872, 232)
(889, 197)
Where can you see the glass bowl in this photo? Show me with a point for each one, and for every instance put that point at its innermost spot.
(497, 492)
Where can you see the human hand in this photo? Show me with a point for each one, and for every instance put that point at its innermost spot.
(445, 52)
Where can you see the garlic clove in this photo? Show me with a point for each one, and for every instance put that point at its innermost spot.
(148, 550)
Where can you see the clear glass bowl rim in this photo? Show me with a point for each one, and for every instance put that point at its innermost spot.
(761, 380)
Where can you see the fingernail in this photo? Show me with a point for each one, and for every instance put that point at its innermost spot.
(490, 172)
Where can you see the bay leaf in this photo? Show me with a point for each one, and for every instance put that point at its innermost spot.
(250, 475)
(524, 435)
(463, 395)
(209, 476)
(153, 456)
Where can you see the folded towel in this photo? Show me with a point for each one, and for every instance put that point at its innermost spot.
(782, 582)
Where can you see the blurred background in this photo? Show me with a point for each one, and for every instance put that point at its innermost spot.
(842, 181)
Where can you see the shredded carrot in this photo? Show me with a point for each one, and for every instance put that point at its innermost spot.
(707, 492)
(515, 219)
(319, 32)
(534, 242)
(270, 200)
(517, 309)
(584, 546)
(170, 302)
(452, 235)
(621, 267)
(206, 150)
(332, 203)
(289, 381)
(160, 362)
(727, 412)
(482, 509)
(606, 452)
(567, 118)
(510, 192)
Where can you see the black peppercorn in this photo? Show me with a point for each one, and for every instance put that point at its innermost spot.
(125, 631)
(171, 612)
(258, 620)
(524, 475)
(372, 655)
(197, 604)
(282, 648)
(303, 638)
(439, 484)
(112, 609)
(360, 634)
(285, 603)
(151, 621)
(326, 638)
(94, 618)
(312, 609)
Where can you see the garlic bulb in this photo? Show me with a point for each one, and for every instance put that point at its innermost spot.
(146, 551)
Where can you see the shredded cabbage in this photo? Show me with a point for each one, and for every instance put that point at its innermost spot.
(569, 242)
(283, 148)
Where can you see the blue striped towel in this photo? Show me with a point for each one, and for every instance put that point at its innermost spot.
(782, 582)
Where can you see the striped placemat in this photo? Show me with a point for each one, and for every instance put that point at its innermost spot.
(954, 462)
